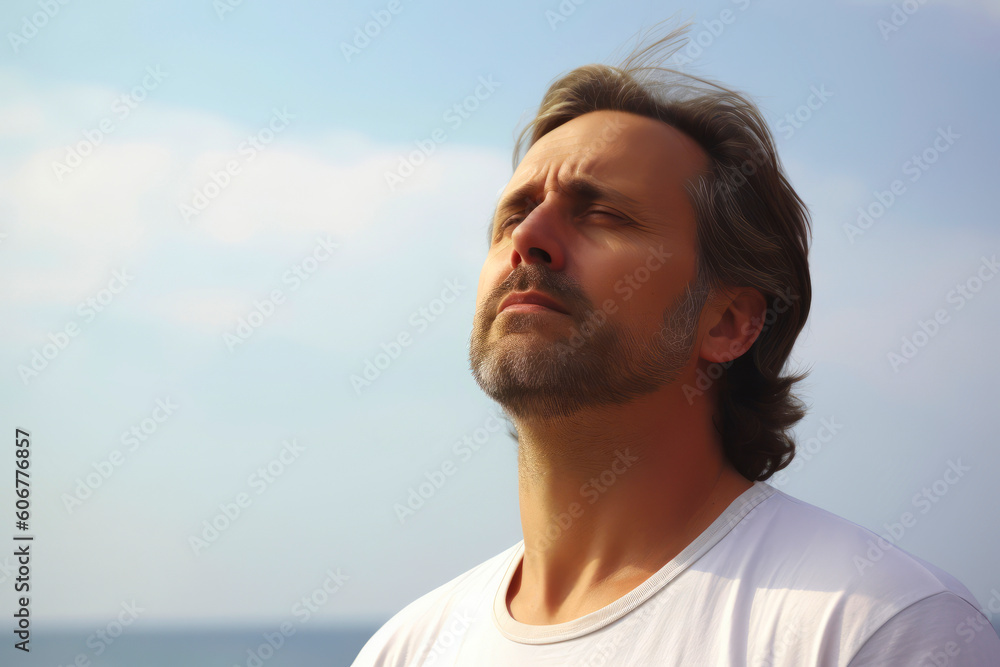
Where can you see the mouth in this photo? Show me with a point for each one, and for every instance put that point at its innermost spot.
(530, 302)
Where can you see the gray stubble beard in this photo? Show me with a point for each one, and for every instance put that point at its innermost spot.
(612, 367)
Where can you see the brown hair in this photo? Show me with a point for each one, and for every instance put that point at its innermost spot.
(753, 230)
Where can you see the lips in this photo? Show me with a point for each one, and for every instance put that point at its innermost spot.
(534, 298)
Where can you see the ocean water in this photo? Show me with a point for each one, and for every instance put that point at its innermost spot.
(196, 648)
(190, 648)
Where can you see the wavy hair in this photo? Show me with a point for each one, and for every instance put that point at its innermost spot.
(752, 229)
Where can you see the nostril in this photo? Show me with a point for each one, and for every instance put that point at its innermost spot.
(541, 254)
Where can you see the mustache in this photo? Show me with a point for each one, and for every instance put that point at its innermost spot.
(535, 277)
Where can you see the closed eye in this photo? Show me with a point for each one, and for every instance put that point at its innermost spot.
(601, 211)
(514, 219)
(612, 215)
(510, 221)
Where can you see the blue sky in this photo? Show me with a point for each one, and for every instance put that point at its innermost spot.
(305, 232)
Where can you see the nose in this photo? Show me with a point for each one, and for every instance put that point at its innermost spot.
(540, 238)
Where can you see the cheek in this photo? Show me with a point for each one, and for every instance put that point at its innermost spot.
(644, 289)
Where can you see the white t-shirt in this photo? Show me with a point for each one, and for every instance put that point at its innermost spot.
(772, 582)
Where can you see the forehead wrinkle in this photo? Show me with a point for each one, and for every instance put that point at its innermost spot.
(525, 190)
(561, 157)
(580, 157)
(576, 171)
(579, 185)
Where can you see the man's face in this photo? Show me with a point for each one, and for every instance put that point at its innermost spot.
(596, 218)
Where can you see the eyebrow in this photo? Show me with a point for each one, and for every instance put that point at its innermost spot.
(578, 186)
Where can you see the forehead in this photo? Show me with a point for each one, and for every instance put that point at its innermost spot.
(643, 158)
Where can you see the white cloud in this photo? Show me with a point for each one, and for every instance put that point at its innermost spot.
(119, 207)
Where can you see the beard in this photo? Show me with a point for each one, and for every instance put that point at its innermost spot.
(597, 362)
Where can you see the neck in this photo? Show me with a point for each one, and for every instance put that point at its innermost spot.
(608, 497)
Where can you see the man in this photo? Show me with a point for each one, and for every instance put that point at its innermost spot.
(646, 279)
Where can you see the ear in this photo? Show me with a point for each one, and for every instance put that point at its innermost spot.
(736, 319)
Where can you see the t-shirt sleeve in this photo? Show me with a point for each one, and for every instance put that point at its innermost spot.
(943, 629)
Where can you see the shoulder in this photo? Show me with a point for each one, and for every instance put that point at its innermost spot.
(808, 542)
(449, 606)
(823, 574)
(943, 629)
